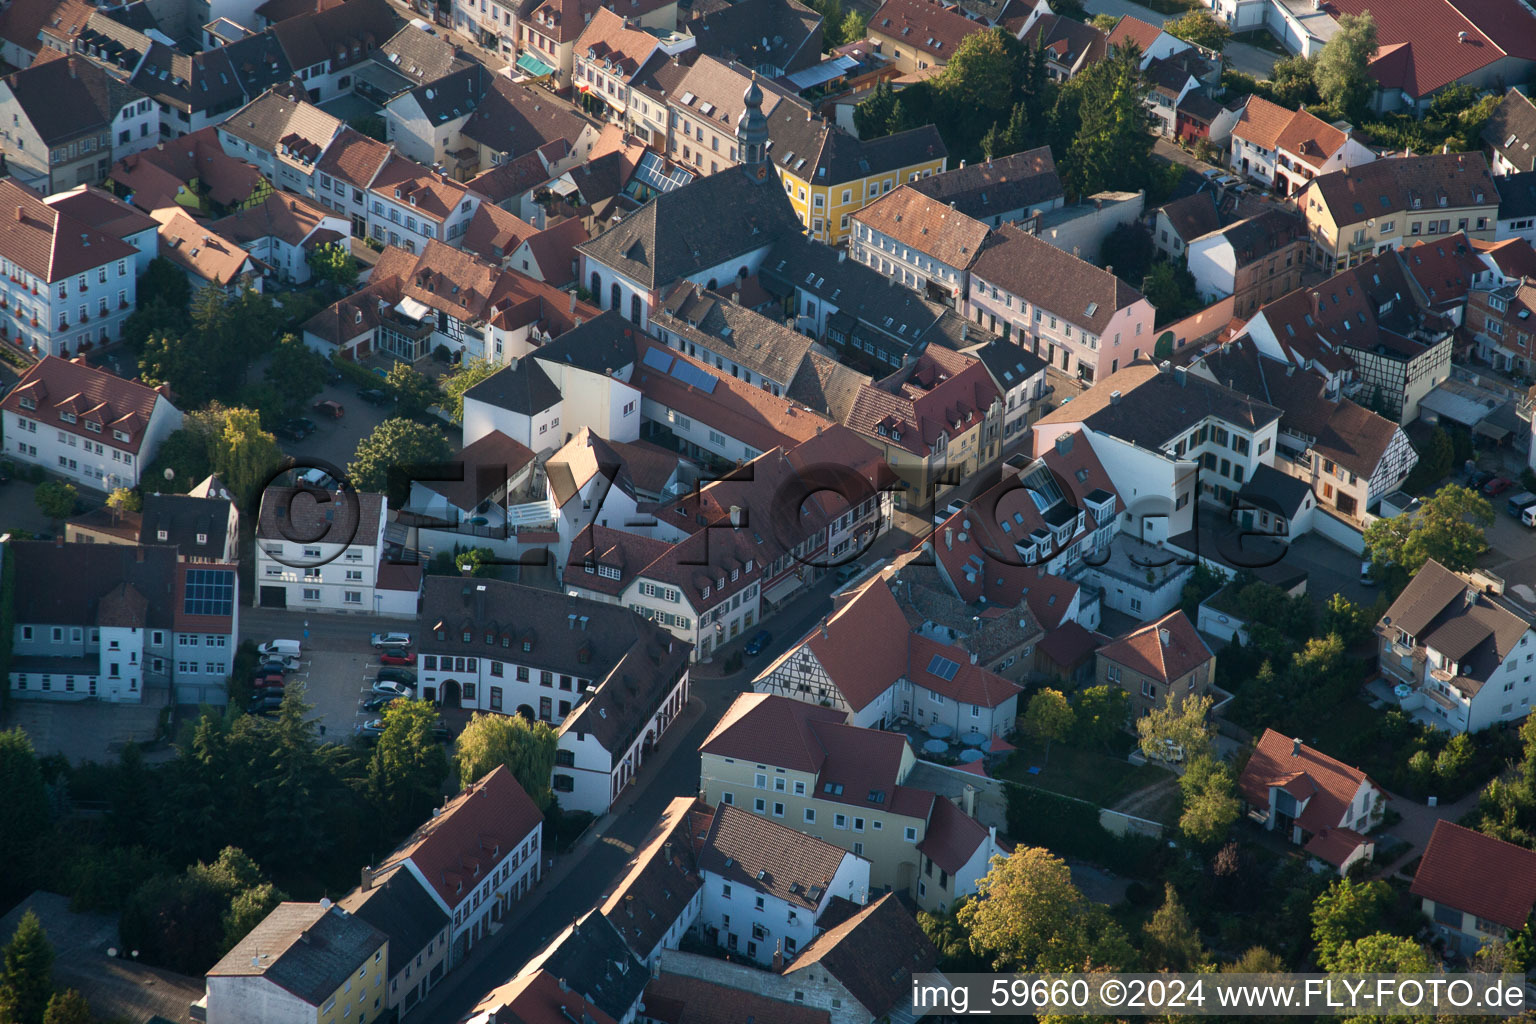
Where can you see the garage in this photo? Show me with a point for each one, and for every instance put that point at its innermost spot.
(274, 597)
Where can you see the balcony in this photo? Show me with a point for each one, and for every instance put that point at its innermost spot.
(1364, 245)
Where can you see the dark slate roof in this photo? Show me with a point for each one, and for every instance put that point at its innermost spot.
(1274, 491)
(524, 388)
(403, 910)
(67, 98)
(991, 187)
(1444, 612)
(758, 853)
(1257, 237)
(873, 954)
(853, 288)
(308, 39)
(420, 56)
(182, 518)
(1156, 406)
(753, 340)
(1193, 216)
(304, 948)
(593, 959)
(603, 344)
(1511, 131)
(455, 95)
(710, 221)
(75, 583)
(1517, 195)
(1384, 187)
(1009, 364)
(792, 31)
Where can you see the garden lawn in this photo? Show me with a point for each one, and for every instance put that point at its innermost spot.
(1078, 772)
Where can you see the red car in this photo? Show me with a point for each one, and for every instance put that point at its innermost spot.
(397, 658)
(1498, 485)
(270, 681)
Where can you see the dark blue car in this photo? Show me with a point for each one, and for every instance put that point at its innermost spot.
(757, 643)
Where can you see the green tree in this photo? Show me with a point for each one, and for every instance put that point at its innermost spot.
(187, 922)
(405, 774)
(469, 374)
(253, 326)
(1380, 953)
(1201, 27)
(1099, 714)
(854, 26)
(1347, 620)
(414, 392)
(164, 281)
(981, 79)
(384, 457)
(68, 1007)
(1171, 940)
(1128, 249)
(1455, 759)
(1343, 67)
(244, 455)
(526, 748)
(183, 363)
(1028, 916)
(1180, 724)
(28, 972)
(1294, 81)
(1105, 22)
(1210, 800)
(124, 501)
(185, 453)
(898, 121)
(248, 908)
(333, 264)
(56, 499)
(296, 371)
(1111, 146)
(1345, 912)
(1049, 718)
(476, 562)
(1256, 960)
(1436, 460)
(872, 117)
(1448, 527)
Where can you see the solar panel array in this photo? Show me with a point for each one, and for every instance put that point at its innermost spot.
(680, 370)
(209, 592)
(942, 667)
(652, 171)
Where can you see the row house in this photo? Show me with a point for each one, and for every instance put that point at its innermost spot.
(1001, 640)
(399, 904)
(411, 207)
(1020, 379)
(492, 24)
(67, 121)
(284, 138)
(1255, 260)
(724, 334)
(1072, 314)
(326, 48)
(658, 899)
(208, 259)
(86, 424)
(704, 105)
(921, 242)
(111, 622)
(281, 232)
(918, 34)
(711, 566)
(514, 120)
(766, 885)
(1004, 190)
(1171, 437)
(1500, 318)
(411, 58)
(1374, 207)
(345, 175)
(324, 552)
(547, 35)
(1312, 800)
(1463, 652)
(1283, 149)
(477, 857)
(1347, 455)
(66, 286)
(802, 764)
(426, 123)
(775, 39)
(880, 672)
(612, 53)
(608, 681)
(203, 526)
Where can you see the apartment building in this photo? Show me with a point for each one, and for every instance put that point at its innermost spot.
(1004, 190)
(610, 55)
(1020, 378)
(410, 206)
(712, 328)
(1158, 664)
(340, 569)
(282, 136)
(1063, 309)
(921, 242)
(66, 121)
(1283, 149)
(347, 170)
(658, 899)
(203, 526)
(919, 34)
(1255, 260)
(548, 34)
(86, 424)
(1500, 319)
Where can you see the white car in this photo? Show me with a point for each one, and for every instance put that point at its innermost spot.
(385, 687)
(279, 649)
(391, 640)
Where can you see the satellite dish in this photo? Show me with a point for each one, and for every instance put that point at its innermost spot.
(112, 951)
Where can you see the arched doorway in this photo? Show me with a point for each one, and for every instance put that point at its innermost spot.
(712, 285)
(525, 711)
(448, 694)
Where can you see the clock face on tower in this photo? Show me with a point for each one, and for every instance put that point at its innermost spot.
(762, 172)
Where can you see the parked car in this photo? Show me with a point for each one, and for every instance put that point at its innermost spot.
(1518, 503)
(390, 640)
(264, 704)
(329, 409)
(397, 675)
(378, 701)
(849, 571)
(1498, 485)
(274, 665)
(374, 396)
(293, 430)
(267, 682)
(1480, 478)
(386, 687)
(1366, 579)
(279, 648)
(371, 729)
(397, 656)
(759, 642)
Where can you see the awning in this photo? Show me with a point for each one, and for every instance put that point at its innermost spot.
(782, 589)
(535, 67)
(1492, 431)
(415, 310)
(820, 74)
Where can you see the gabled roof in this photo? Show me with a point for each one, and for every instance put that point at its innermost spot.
(609, 40)
(1382, 187)
(1517, 195)
(68, 97)
(662, 877)
(201, 252)
(592, 958)
(455, 848)
(1274, 491)
(827, 386)
(1053, 279)
(525, 388)
(941, 393)
(1067, 41)
(538, 997)
(489, 462)
(313, 518)
(1420, 49)
(91, 394)
(396, 904)
(772, 730)
(761, 34)
(1262, 122)
(927, 225)
(286, 217)
(47, 242)
(873, 955)
(924, 25)
(354, 157)
(1444, 612)
(1478, 874)
(988, 188)
(1326, 785)
(1310, 138)
(343, 34)
(1511, 130)
(1193, 216)
(494, 234)
(273, 123)
(1514, 257)
(862, 645)
(183, 519)
(308, 949)
(604, 344)
(80, 584)
(155, 177)
(756, 853)
(1154, 407)
(752, 340)
(1131, 29)
(680, 999)
(953, 837)
(23, 20)
(1167, 649)
(1260, 236)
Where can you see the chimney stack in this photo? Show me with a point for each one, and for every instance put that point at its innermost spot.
(823, 628)
(366, 881)
(1163, 636)
(949, 538)
(1296, 747)
(968, 800)
(778, 957)
(480, 602)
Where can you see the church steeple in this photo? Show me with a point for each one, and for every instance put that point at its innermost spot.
(752, 133)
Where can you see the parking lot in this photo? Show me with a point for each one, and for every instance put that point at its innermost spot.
(335, 440)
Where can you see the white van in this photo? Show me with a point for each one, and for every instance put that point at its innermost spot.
(1529, 519)
(279, 649)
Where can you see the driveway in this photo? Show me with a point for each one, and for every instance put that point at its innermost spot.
(1419, 823)
(1244, 57)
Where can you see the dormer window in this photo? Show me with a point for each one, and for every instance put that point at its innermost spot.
(93, 426)
(67, 417)
(202, 538)
(162, 535)
(468, 636)
(117, 435)
(28, 403)
(527, 645)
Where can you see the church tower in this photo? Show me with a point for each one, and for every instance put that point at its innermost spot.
(752, 134)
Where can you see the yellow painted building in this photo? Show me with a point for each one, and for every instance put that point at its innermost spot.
(830, 175)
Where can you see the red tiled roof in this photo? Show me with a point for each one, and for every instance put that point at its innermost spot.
(1444, 267)
(1263, 122)
(1133, 30)
(1335, 845)
(952, 836)
(925, 25)
(93, 395)
(354, 158)
(540, 998)
(494, 233)
(1478, 875)
(434, 196)
(1514, 256)
(1311, 138)
(771, 730)
(1420, 46)
(153, 174)
(943, 392)
(48, 243)
(1144, 651)
(762, 854)
(662, 877)
(677, 999)
(862, 645)
(457, 846)
(609, 37)
(972, 684)
(195, 248)
(1333, 783)
(925, 224)
(553, 251)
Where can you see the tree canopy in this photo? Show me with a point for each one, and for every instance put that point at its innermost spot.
(1028, 916)
(526, 748)
(1111, 146)
(1201, 27)
(1180, 724)
(1211, 806)
(467, 376)
(384, 457)
(28, 979)
(1343, 67)
(1448, 527)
